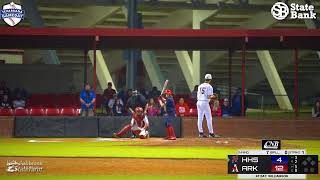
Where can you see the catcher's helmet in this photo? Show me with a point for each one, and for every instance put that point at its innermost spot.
(139, 110)
(168, 91)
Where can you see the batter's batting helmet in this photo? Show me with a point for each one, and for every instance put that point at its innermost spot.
(168, 91)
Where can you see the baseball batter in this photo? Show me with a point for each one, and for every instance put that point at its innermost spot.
(204, 95)
(139, 125)
(168, 105)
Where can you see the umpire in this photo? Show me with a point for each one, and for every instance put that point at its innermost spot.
(136, 100)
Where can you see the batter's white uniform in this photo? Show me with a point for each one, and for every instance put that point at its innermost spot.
(204, 91)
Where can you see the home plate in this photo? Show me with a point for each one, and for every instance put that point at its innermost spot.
(43, 141)
(104, 139)
(226, 142)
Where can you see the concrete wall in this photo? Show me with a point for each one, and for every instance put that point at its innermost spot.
(6, 126)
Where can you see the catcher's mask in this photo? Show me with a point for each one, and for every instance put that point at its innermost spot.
(138, 111)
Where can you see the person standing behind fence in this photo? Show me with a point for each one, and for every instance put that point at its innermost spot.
(87, 99)
(152, 108)
(316, 109)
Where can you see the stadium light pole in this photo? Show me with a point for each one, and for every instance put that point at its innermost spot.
(95, 67)
(132, 61)
(230, 74)
(296, 85)
(243, 83)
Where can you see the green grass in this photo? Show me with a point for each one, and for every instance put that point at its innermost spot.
(20, 147)
(108, 149)
(312, 146)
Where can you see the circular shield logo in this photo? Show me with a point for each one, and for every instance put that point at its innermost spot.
(280, 11)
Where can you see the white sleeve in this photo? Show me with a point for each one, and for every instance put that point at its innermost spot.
(210, 92)
(145, 119)
(132, 122)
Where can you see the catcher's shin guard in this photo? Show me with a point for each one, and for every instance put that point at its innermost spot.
(136, 133)
(172, 134)
(124, 130)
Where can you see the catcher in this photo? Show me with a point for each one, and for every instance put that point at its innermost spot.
(139, 125)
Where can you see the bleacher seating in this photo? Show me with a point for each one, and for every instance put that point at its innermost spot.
(66, 105)
(21, 112)
(193, 112)
(68, 111)
(6, 112)
(52, 112)
(36, 111)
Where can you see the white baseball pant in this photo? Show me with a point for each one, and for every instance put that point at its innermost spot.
(203, 108)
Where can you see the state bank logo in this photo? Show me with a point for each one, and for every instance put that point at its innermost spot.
(280, 11)
(271, 144)
(12, 13)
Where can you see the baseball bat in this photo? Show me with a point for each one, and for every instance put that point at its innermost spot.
(165, 84)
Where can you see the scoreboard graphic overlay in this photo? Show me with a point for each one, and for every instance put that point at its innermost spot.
(272, 164)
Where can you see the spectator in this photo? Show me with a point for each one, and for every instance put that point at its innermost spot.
(215, 108)
(107, 95)
(128, 95)
(316, 109)
(193, 96)
(5, 103)
(182, 108)
(143, 92)
(117, 108)
(225, 108)
(136, 100)
(151, 108)
(237, 103)
(21, 92)
(122, 95)
(19, 103)
(4, 90)
(154, 93)
(113, 101)
(87, 99)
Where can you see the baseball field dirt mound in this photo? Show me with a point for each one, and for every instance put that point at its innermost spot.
(120, 166)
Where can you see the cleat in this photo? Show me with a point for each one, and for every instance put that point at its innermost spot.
(201, 135)
(172, 138)
(214, 136)
(114, 135)
(133, 136)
